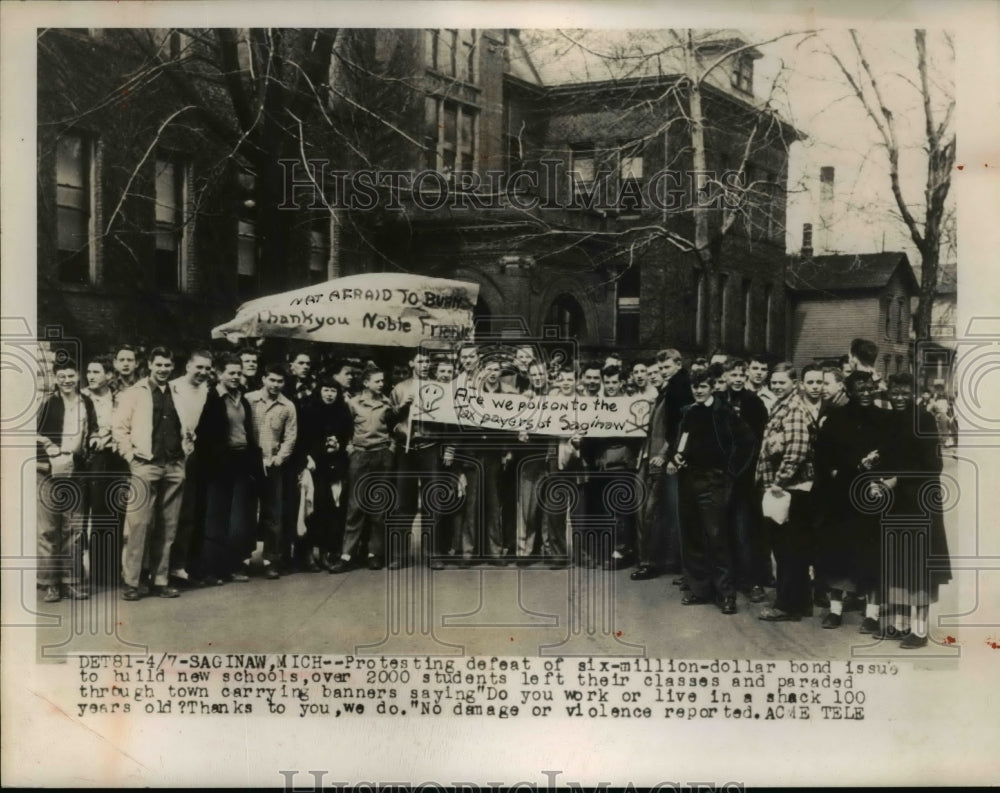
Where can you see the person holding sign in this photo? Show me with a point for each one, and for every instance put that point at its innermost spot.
(715, 447)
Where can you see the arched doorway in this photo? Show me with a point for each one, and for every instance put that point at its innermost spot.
(566, 314)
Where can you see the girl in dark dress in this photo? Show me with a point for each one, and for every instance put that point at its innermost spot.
(911, 460)
(327, 427)
(848, 537)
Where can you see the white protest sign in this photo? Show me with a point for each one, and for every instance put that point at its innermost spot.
(380, 309)
(556, 415)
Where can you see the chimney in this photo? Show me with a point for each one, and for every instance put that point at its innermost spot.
(825, 209)
(807, 240)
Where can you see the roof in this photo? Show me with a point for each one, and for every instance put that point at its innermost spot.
(849, 272)
(566, 57)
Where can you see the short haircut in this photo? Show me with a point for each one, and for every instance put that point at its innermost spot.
(292, 358)
(104, 361)
(275, 368)
(63, 363)
(203, 354)
(248, 351)
(716, 370)
(759, 357)
(703, 376)
(836, 372)
(592, 365)
(865, 351)
(856, 378)
(787, 368)
(700, 362)
(339, 365)
(127, 348)
(610, 371)
(669, 354)
(227, 359)
(812, 367)
(370, 370)
(567, 368)
(443, 362)
(901, 380)
(160, 352)
(734, 363)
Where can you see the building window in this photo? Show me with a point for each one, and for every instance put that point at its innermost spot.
(886, 363)
(742, 74)
(582, 170)
(246, 238)
(899, 364)
(319, 253)
(699, 312)
(746, 314)
(451, 52)
(768, 317)
(627, 305)
(902, 321)
(630, 175)
(888, 318)
(449, 135)
(566, 314)
(169, 219)
(723, 313)
(74, 202)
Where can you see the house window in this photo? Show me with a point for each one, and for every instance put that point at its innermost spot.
(768, 317)
(246, 239)
(582, 170)
(742, 74)
(886, 363)
(169, 219)
(449, 135)
(451, 52)
(699, 313)
(902, 320)
(630, 175)
(888, 318)
(899, 364)
(74, 200)
(723, 313)
(319, 254)
(627, 305)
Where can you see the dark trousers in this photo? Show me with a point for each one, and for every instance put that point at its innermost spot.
(371, 482)
(273, 528)
(530, 515)
(418, 475)
(108, 477)
(613, 498)
(704, 507)
(326, 524)
(229, 517)
(792, 542)
(191, 522)
(751, 551)
(658, 532)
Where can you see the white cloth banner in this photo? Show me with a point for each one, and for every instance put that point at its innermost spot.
(556, 415)
(380, 309)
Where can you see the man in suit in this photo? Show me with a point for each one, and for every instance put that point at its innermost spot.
(147, 430)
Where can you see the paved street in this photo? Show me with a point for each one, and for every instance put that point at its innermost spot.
(483, 610)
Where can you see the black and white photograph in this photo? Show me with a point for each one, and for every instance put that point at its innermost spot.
(377, 371)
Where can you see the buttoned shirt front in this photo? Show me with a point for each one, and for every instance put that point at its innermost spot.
(371, 421)
(276, 424)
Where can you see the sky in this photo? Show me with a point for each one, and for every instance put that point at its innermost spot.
(812, 92)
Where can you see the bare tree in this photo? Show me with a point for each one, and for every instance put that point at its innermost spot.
(928, 221)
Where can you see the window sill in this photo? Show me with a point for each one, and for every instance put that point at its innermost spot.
(452, 80)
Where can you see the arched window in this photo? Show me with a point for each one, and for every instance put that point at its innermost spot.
(566, 314)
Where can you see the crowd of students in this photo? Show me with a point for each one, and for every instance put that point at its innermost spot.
(749, 478)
